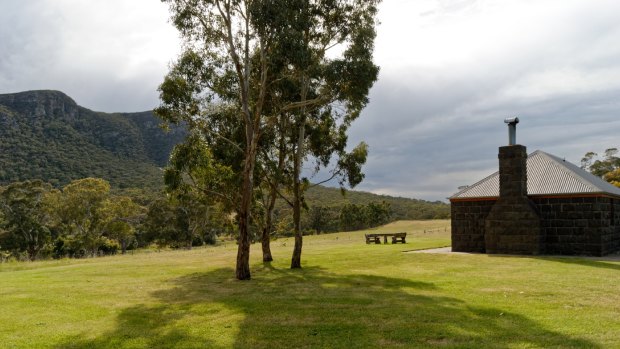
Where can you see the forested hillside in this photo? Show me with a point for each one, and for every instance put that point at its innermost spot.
(46, 135)
(328, 210)
(401, 208)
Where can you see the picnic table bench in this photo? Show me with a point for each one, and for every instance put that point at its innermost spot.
(376, 238)
(373, 238)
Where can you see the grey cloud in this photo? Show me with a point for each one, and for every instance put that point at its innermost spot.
(425, 125)
(87, 54)
(430, 129)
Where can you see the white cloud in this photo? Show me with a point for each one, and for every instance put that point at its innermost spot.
(108, 55)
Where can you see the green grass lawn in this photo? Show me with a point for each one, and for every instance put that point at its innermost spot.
(348, 295)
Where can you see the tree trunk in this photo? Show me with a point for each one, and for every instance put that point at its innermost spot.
(123, 246)
(299, 154)
(296, 260)
(298, 158)
(32, 253)
(242, 270)
(266, 237)
(273, 194)
(266, 245)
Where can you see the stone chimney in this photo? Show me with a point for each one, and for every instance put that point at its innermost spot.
(513, 224)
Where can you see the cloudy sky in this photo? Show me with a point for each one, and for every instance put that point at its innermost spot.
(451, 71)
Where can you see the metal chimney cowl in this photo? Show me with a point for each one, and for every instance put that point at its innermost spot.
(512, 130)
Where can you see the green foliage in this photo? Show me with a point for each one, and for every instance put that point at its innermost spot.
(356, 217)
(607, 168)
(351, 165)
(161, 223)
(46, 136)
(323, 219)
(193, 168)
(613, 177)
(86, 219)
(84, 213)
(184, 219)
(121, 216)
(24, 220)
(91, 221)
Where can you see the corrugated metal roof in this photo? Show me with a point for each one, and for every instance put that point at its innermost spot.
(546, 175)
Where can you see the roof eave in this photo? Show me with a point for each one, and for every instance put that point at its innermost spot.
(548, 196)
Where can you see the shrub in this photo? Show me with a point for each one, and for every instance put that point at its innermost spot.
(108, 247)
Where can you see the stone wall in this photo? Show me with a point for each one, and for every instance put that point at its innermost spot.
(579, 225)
(468, 219)
(568, 226)
(611, 239)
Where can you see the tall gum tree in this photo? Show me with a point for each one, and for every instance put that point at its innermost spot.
(223, 41)
(26, 219)
(235, 54)
(82, 211)
(323, 90)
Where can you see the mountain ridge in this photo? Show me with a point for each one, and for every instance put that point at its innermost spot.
(45, 134)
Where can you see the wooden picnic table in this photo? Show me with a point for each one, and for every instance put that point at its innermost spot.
(376, 237)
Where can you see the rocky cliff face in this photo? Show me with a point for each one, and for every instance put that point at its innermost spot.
(46, 135)
(41, 104)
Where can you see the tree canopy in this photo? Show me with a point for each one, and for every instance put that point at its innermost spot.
(24, 220)
(607, 168)
(254, 63)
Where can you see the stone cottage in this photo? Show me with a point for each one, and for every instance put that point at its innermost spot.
(536, 204)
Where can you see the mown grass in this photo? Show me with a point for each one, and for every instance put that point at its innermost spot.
(348, 295)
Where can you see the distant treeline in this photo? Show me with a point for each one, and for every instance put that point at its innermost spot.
(86, 219)
(400, 208)
(89, 218)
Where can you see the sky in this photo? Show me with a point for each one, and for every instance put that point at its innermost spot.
(451, 71)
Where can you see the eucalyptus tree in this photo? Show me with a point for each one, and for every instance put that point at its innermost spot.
(327, 49)
(608, 168)
(225, 61)
(83, 213)
(25, 217)
(237, 51)
(200, 188)
(314, 99)
(120, 217)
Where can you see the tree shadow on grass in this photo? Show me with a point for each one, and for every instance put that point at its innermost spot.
(313, 308)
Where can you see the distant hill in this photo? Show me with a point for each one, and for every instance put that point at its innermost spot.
(331, 201)
(402, 208)
(46, 135)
